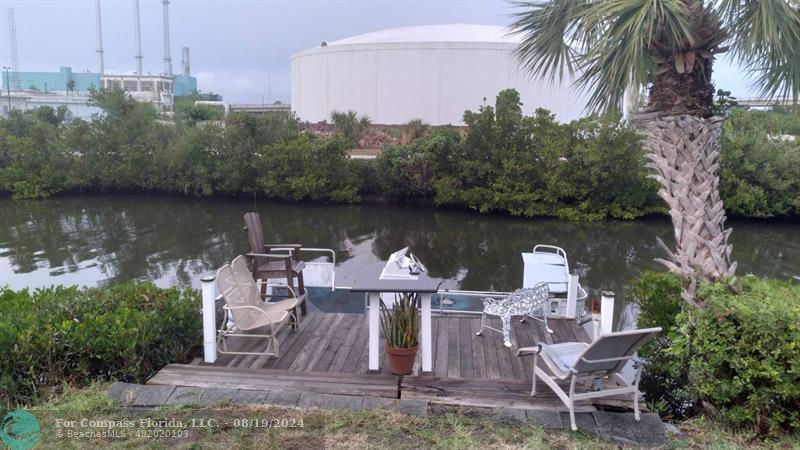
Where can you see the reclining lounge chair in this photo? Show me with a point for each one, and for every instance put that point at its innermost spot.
(602, 359)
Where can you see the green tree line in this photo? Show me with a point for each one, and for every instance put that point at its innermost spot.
(501, 161)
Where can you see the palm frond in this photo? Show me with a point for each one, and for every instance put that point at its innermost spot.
(609, 43)
(765, 38)
(550, 36)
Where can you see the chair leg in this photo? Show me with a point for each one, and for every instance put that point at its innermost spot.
(533, 384)
(506, 330)
(572, 403)
(301, 288)
(544, 313)
(636, 379)
(483, 325)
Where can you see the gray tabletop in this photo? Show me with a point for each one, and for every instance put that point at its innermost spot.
(369, 281)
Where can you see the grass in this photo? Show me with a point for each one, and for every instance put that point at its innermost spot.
(321, 429)
(700, 433)
(330, 429)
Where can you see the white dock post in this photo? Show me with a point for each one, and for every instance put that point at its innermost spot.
(572, 297)
(427, 339)
(209, 290)
(596, 330)
(606, 312)
(374, 331)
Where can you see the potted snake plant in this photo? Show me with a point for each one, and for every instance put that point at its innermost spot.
(400, 325)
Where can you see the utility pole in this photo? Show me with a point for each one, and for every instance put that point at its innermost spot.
(101, 65)
(137, 38)
(8, 87)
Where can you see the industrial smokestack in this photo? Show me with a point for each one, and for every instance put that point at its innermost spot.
(101, 66)
(167, 57)
(185, 61)
(138, 37)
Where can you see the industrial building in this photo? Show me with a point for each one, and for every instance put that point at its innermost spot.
(433, 73)
(29, 90)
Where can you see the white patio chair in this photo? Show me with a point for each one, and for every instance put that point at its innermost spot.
(248, 312)
(522, 302)
(600, 360)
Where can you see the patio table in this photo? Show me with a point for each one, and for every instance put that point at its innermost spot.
(370, 283)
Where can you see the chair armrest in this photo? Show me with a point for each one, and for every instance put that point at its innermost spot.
(525, 351)
(264, 313)
(286, 246)
(270, 255)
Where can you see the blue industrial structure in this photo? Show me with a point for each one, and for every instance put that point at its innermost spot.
(60, 81)
(53, 81)
(184, 85)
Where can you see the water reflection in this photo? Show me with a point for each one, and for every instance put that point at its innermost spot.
(93, 240)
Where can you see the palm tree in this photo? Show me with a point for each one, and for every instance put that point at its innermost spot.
(669, 47)
(350, 124)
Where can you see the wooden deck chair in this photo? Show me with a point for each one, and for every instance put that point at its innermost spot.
(248, 312)
(602, 359)
(271, 261)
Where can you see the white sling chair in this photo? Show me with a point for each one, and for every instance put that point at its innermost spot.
(248, 312)
(602, 359)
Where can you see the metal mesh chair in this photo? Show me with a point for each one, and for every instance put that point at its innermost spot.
(522, 302)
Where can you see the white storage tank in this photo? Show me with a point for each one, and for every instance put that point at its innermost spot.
(433, 73)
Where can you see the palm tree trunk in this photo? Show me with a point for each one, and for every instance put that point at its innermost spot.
(684, 153)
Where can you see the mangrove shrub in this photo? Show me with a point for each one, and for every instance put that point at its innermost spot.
(78, 335)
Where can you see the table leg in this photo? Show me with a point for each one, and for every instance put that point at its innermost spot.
(374, 331)
(427, 338)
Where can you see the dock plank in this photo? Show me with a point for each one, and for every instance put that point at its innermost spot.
(478, 361)
(339, 349)
(442, 351)
(315, 340)
(453, 348)
(465, 343)
(315, 348)
(267, 379)
(490, 342)
(359, 348)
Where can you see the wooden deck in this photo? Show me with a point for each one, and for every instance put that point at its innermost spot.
(329, 355)
(337, 343)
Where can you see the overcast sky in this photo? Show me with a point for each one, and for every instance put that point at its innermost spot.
(236, 45)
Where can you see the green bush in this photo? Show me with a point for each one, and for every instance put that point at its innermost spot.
(760, 164)
(665, 378)
(308, 168)
(78, 335)
(739, 358)
(743, 352)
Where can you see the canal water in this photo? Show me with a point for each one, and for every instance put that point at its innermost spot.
(97, 240)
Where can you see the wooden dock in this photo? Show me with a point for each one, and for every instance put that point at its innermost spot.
(328, 354)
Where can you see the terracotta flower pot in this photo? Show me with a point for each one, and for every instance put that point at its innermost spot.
(401, 360)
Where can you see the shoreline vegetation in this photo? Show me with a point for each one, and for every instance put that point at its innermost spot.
(502, 161)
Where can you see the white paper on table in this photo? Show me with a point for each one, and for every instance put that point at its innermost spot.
(397, 267)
